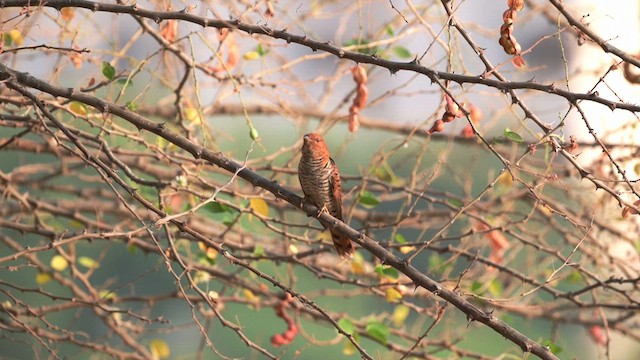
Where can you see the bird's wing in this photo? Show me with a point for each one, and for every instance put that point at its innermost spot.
(335, 188)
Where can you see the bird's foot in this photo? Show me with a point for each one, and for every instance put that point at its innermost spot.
(307, 200)
(323, 209)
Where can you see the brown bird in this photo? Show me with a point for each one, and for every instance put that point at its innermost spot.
(320, 181)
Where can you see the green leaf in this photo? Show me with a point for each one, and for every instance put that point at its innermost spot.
(131, 105)
(7, 40)
(347, 325)
(402, 52)
(400, 239)
(108, 71)
(149, 193)
(124, 82)
(132, 249)
(435, 261)
(387, 271)
(258, 251)
(476, 288)
(515, 137)
(554, 348)
(261, 51)
(378, 331)
(228, 220)
(384, 173)
(495, 288)
(574, 277)
(455, 203)
(218, 208)
(389, 30)
(368, 199)
(253, 133)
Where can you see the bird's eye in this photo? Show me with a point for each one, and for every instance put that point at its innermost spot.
(317, 140)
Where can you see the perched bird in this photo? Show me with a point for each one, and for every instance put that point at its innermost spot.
(320, 181)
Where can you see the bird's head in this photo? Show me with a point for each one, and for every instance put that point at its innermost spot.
(314, 145)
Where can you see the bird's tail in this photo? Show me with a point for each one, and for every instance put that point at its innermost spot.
(343, 245)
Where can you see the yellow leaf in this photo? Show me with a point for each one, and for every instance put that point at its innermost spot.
(348, 348)
(259, 206)
(16, 37)
(87, 262)
(392, 295)
(325, 237)
(250, 296)
(106, 294)
(213, 295)
(210, 252)
(545, 209)
(201, 277)
(407, 249)
(505, 180)
(43, 278)
(117, 317)
(161, 142)
(293, 249)
(358, 265)
(159, 349)
(400, 314)
(192, 115)
(251, 55)
(78, 108)
(76, 224)
(59, 263)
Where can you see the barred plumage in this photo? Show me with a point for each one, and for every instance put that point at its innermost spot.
(320, 182)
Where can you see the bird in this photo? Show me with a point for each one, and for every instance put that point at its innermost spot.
(320, 181)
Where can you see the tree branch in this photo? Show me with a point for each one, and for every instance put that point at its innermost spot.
(15, 79)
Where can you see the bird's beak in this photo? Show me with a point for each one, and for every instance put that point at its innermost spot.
(305, 138)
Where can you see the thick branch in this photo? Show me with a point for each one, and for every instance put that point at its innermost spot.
(314, 45)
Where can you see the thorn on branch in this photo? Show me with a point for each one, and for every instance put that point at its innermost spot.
(470, 319)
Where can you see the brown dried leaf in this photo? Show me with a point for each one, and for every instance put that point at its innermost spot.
(67, 13)
(169, 30)
(629, 211)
